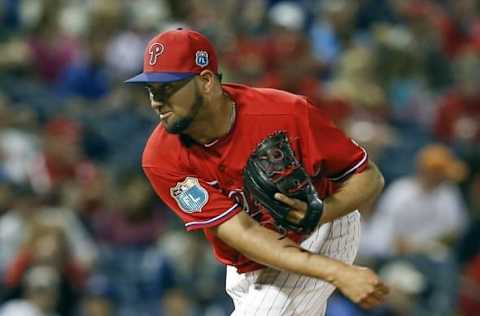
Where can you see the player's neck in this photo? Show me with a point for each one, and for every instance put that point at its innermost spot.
(215, 121)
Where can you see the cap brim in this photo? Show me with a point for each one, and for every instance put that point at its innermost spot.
(160, 77)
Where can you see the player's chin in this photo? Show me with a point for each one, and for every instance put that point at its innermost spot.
(169, 126)
(169, 123)
(175, 125)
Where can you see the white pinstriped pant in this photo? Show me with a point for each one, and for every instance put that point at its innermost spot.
(269, 292)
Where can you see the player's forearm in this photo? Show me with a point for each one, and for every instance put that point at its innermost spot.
(264, 246)
(287, 256)
(360, 189)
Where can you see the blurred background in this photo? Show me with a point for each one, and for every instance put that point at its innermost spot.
(82, 233)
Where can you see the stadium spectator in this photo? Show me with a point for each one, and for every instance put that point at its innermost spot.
(47, 247)
(40, 297)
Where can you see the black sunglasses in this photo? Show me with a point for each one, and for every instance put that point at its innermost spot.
(165, 91)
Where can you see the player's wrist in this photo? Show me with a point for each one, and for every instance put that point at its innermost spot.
(336, 270)
(330, 210)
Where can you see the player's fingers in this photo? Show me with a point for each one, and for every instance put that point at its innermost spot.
(382, 289)
(293, 203)
(375, 298)
(370, 303)
(285, 199)
(378, 296)
(295, 216)
(372, 300)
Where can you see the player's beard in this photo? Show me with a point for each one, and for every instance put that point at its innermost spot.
(181, 124)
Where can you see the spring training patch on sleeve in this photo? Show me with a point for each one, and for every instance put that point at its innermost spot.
(190, 196)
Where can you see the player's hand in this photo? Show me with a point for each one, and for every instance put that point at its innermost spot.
(361, 285)
(299, 207)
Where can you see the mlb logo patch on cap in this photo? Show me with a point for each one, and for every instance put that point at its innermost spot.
(201, 58)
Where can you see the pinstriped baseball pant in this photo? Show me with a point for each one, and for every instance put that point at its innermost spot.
(269, 292)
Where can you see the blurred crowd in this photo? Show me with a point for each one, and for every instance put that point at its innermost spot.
(82, 233)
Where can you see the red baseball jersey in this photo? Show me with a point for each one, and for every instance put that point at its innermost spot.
(203, 184)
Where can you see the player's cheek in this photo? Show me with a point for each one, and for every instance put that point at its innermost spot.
(177, 108)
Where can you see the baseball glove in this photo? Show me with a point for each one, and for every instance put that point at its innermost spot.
(273, 168)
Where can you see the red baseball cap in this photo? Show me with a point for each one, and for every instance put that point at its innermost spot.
(176, 55)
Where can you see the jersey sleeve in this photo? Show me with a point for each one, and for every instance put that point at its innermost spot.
(327, 151)
(196, 201)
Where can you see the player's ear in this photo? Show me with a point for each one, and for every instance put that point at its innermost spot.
(207, 80)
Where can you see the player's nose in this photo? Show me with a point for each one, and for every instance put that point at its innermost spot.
(156, 104)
